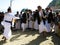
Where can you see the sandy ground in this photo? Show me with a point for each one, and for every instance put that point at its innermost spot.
(30, 38)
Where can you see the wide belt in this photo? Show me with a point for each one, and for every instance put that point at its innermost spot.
(8, 21)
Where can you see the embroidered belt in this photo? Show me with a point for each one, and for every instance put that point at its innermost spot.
(8, 21)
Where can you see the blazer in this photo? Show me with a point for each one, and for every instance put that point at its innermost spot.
(50, 17)
(36, 17)
(1, 17)
(24, 18)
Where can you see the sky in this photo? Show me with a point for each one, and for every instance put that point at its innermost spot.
(18, 5)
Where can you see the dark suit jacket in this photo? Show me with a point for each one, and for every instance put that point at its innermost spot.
(25, 17)
(50, 17)
(1, 17)
(36, 16)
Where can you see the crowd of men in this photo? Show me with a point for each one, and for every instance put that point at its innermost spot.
(43, 20)
(32, 19)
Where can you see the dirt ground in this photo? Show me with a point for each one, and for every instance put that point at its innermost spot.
(30, 37)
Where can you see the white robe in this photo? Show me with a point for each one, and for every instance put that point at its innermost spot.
(24, 26)
(47, 26)
(30, 24)
(36, 26)
(17, 26)
(42, 27)
(7, 30)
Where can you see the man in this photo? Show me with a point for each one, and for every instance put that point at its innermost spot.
(24, 20)
(38, 16)
(7, 24)
(17, 22)
(30, 20)
(57, 23)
